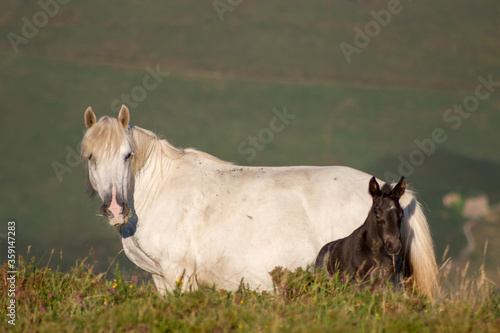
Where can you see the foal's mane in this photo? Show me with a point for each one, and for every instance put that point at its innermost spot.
(387, 188)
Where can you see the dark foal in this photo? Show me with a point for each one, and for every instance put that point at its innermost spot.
(372, 250)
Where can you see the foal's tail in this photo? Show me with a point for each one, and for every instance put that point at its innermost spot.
(420, 266)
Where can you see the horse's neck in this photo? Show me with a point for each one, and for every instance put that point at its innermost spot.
(153, 170)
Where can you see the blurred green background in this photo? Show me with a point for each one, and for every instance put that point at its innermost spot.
(230, 64)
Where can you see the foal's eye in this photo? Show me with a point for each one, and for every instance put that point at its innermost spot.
(90, 157)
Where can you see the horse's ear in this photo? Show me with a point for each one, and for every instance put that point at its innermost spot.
(124, 116)
(90, 118)
(400, 188)
(373, 188)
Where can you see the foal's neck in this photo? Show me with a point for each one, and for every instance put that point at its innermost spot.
(370, 234)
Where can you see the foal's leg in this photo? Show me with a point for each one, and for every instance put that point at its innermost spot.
(323, 259)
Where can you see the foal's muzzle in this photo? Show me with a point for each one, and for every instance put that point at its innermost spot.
(393, 247)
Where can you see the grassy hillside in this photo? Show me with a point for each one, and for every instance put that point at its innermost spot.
(225, 79)
(82, 301)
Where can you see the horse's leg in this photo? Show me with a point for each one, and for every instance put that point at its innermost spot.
(160, 284)
(175, 277)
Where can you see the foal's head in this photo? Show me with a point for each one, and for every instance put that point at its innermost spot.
(108, 149)
(387, 214)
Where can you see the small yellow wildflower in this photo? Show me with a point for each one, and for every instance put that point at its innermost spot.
(241, 302)
(131, 285)
(115, 285)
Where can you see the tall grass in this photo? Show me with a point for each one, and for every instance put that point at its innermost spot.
(84, 301)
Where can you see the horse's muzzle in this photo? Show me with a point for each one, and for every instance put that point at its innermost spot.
(112, 218)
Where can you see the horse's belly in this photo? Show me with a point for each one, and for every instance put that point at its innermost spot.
(244, 252)
(280, 229)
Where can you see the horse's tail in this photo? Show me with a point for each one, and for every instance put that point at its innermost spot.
(420, 268)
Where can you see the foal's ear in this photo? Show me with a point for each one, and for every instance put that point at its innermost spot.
(124, 116)
(373, 188)
(90, 118)
(400, 188)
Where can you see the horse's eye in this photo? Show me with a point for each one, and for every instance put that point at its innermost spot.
(90, 157)
(129, 155)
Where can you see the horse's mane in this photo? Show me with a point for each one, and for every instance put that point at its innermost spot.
(106, 136)
(148, 144)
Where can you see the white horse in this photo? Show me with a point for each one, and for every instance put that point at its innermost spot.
(188, 217)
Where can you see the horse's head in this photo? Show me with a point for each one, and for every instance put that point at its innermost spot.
(388, 214)
(107, 149)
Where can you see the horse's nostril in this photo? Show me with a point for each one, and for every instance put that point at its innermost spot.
(104, 210)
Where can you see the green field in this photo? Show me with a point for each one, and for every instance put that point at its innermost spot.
(83, 301)
(225, 78)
